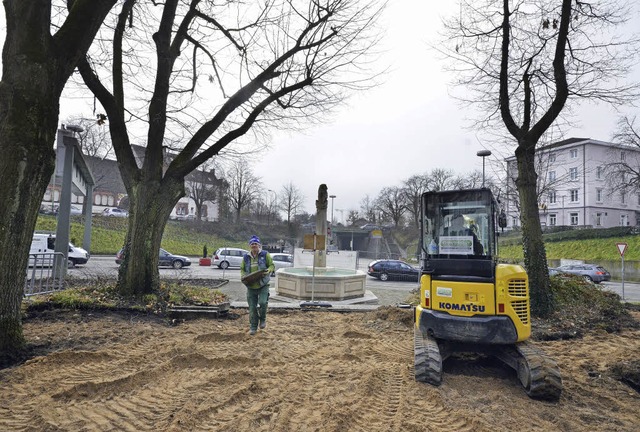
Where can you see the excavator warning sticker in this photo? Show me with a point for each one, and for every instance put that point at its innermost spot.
(444, 292)
(456, 245)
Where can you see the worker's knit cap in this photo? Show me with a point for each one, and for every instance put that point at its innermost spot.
(254, 239)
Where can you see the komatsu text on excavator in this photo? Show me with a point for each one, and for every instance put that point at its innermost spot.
(468, 301)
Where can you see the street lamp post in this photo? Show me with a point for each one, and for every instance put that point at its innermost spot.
(275, 198)
(483, 154)
(331, 224)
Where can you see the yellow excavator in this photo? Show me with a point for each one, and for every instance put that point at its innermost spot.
(468, 301)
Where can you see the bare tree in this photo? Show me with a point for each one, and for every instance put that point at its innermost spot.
(367, 206)
(94, 139)
(547, 182)
(391, 203)
(291, 200)
(280, 63)
(623, 168)
(470, 180)
(202, 187)
(41, 49)
(413, 188)
(520, 63)
(440, 179)
(244, 187)
(353, 217)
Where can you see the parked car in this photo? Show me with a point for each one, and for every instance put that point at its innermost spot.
(393, 270)
(115, 212)
(370, 227)
(43, 247)
(228, 257)
(166, 259)
(281, 260)
(47, 210)
(73, 210)
(592, 272)
(554, 271)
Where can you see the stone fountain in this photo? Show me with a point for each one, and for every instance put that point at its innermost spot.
(319, 282)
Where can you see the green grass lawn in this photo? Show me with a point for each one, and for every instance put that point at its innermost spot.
(108, 233)
(107, 237)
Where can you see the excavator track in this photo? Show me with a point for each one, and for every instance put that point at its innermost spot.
(538, 373)
(426, 358)
(543, 378)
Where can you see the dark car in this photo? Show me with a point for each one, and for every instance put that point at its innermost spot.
(592, 272)
(393, 270)
(166, 259)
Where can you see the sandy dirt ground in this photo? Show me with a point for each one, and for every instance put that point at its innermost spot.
(308, 371)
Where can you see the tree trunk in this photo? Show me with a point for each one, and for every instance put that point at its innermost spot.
(535, 255)
(27, 129)
(28, 117)
(151, 203)
(35, 68)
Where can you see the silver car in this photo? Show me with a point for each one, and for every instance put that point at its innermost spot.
(228, 257)
(281, 260)
(591, 272)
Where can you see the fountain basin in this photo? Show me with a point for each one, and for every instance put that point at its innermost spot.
(328, 283)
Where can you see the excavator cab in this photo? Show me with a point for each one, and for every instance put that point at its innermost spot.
(468, 300)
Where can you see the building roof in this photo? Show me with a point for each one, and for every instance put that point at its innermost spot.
(568, 143)
(106, 175)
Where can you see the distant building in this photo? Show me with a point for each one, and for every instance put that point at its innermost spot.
(109, 190)
(575, 186)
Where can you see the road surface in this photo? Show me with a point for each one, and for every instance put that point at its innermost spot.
(389, 293)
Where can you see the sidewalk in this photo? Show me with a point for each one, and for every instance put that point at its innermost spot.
(237, 293)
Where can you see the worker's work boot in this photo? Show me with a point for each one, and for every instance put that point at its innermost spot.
(263, 324)
(252, 332)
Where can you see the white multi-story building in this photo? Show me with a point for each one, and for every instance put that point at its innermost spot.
(579, 185)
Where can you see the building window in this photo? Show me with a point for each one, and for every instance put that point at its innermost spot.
(623, 197)
(622, 155)
(624, 220)
(552, 219)
(599, 195)
(552, 176)
(104, 200)
(574, 218)
(574, 195)
(598, 219)
(96, 199)
(599, 171)
(573, 173)
(552, 197)
(573, 154)
(182, 209)
(552, 157)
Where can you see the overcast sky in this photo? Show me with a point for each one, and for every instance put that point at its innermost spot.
(408, 125)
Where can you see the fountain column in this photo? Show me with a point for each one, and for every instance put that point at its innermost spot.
(320, 257)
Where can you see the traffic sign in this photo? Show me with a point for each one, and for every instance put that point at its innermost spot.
(622, 247)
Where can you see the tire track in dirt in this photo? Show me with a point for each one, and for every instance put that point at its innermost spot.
(306, 372)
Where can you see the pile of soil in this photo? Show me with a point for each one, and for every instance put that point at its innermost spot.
(307, 371)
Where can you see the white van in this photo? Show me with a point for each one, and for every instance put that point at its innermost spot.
(46, 243)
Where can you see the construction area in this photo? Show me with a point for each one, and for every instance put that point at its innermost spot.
(307, 371)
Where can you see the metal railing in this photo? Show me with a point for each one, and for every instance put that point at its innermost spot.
(45, 273)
